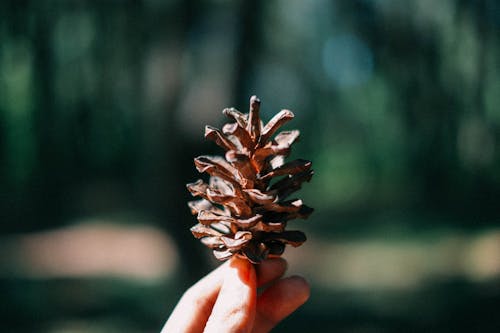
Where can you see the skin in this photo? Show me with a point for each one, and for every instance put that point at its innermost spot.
(228, 299)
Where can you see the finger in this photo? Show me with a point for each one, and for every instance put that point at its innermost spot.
(279, 301)
(270, 270)
(191, 313)
(234, 310)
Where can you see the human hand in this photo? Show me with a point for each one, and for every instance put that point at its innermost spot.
(226, 300)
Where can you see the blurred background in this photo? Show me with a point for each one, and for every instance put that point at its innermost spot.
(103, 106)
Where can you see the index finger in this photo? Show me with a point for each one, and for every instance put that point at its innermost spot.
(234, 310)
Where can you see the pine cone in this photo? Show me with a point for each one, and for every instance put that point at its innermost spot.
(242, 211)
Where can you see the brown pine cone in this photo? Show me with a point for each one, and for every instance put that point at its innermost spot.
(242, 211)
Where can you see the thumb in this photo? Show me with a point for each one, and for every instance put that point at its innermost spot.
(234, 310)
